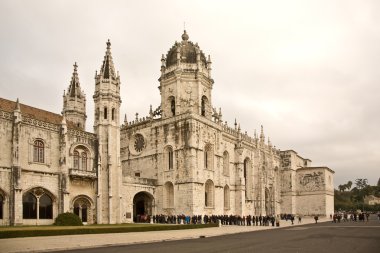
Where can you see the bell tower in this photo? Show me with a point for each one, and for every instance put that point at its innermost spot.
(185, 82)
(74, 102)
(107, 128)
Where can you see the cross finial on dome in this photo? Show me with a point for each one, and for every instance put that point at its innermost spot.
(185, 36)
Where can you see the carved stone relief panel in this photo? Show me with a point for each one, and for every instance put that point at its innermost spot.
(312, 181)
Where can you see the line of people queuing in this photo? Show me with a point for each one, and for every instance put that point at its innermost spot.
(249, 220)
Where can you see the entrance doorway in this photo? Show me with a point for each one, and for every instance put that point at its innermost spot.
(142, 207)
(82, 208)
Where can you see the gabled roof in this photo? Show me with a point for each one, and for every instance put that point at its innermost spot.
(34, 113)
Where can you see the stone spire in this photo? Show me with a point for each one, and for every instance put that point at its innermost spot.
(108, 69)
(262, 136)
(74, 89)
(74, 102)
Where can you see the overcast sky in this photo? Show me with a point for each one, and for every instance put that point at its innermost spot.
(309, 71)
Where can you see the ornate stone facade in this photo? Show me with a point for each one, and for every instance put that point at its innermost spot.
(180, 159)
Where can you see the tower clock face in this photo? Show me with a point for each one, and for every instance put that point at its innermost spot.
(139, 143)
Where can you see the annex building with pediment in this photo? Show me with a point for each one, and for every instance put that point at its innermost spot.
(181, 158)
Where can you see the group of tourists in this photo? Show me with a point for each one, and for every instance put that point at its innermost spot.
(249, 220)
(349, 216)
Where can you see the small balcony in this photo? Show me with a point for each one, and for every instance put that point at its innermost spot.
(141, 181)
(82, 174)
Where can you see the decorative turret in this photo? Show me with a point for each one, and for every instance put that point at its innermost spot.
(107, 128)
(185, 81)
(74, 102)
(107, 89)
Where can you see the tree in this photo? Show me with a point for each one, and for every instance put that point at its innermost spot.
(361, 183)
(349, 185)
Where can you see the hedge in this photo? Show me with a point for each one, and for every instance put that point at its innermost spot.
(51, 231)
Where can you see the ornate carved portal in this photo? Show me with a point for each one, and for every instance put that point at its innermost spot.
(82, 208)
(269, 202)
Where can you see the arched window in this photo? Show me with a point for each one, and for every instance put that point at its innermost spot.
(169, 195)
(105, 113)
(203, 105)
(76, 160)
(45, 207)
(113, 113)
(1, 206)
(84, 160)
(208, 157)
(209, 193)
(37, 204)
(168, 158)
(29, 206)
(226, 197)
(172, 106)
(248, 178)
(38, 151)
(226, 163)
(80, 158)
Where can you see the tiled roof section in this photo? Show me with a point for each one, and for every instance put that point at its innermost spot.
(34, 113)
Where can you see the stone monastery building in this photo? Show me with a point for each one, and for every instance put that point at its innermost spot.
(180, 159)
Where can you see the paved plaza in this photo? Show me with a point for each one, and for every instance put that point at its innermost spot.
(304, 237)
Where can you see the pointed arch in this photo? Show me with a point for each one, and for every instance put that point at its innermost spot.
(209, 193)
(37, 203)
(268, 201)
(168, 158)
(172, 104)
(209, 157)
(81, 157)
(83, 206)
(226, 191)
(226, 163)
(248, 178)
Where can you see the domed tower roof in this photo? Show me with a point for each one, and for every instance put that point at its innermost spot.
(188, 52)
